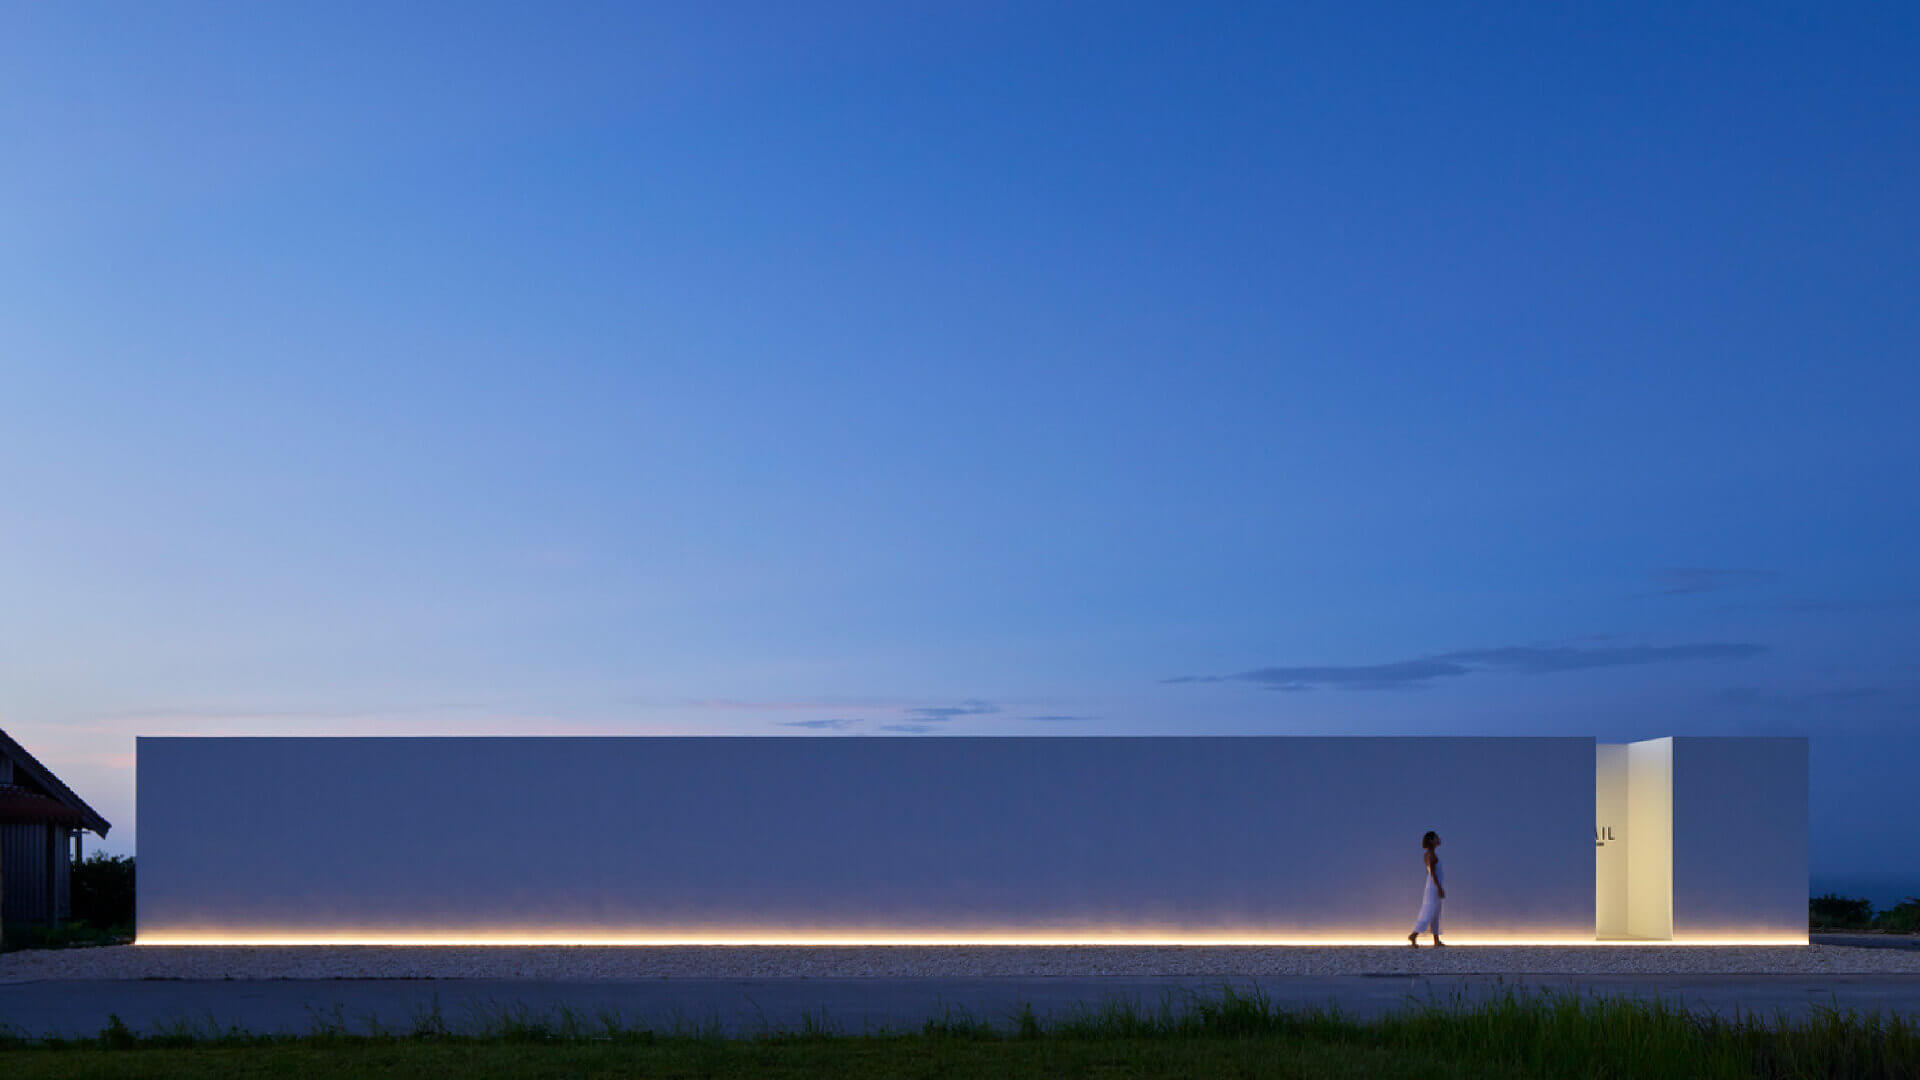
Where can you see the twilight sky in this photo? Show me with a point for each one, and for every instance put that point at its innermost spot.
(964, 369)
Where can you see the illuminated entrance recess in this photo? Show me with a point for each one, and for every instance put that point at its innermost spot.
(966, 841)
(1700, 836)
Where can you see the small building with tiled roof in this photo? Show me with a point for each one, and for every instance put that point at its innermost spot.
(41, 822)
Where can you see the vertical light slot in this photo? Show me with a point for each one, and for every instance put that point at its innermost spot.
(1610, 841)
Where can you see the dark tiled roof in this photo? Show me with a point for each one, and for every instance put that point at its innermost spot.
(18, 806)
(61, 794)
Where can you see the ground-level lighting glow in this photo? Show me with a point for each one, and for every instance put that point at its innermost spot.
(850, 940)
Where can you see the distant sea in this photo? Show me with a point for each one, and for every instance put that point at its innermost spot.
(1883, 892)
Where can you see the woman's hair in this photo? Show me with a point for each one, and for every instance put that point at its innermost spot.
(1430, 839)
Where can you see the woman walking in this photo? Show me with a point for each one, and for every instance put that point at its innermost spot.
(1429, 920)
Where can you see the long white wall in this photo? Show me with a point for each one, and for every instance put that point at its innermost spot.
(715, 839)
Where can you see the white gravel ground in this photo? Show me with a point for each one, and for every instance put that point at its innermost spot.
(749, 961)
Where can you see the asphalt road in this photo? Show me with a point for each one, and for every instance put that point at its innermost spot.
(746, 1006)
(1870, 941)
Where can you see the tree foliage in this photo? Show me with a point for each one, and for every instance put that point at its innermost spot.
(103, 890)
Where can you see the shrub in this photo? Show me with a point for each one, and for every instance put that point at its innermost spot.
(103, 890)
(1834, 912)
(67, 935)
(1903, 918)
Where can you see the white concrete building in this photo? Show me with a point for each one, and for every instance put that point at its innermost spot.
(967, 840)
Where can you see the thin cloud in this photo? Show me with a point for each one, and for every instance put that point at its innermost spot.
(1059, 719)
(274, 712)
(1538, 661)
(908, 729)
(1394, 676)
(1688, 580)
(834, 704)
(1422, 672)
(943, 713)
(838, 723)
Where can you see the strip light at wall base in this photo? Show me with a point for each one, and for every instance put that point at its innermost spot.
(1012, 940)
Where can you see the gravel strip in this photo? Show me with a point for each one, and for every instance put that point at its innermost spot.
(754, 961)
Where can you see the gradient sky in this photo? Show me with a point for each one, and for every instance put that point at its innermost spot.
(964, 369)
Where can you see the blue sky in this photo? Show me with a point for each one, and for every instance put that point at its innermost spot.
(969, 369)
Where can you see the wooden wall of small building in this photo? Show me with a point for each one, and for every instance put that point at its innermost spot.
(35, 873)
(62, 874)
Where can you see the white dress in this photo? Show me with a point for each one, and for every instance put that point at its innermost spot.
(1429, 920)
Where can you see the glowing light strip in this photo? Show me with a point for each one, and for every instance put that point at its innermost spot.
(1000, 940)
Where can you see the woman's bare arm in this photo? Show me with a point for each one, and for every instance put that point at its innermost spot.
(1432, 861)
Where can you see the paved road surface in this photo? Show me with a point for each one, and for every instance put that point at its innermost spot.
(852, 1005)
(1870, 941)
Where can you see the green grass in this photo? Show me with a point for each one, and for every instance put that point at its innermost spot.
(854, 1058)
(1225, 1034)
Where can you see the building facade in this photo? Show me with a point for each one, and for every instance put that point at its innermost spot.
(967, 840)
(41, 823)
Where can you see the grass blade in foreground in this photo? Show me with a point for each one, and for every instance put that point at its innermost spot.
(1232, 1032)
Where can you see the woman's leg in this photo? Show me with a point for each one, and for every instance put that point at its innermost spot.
(1429, 915)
